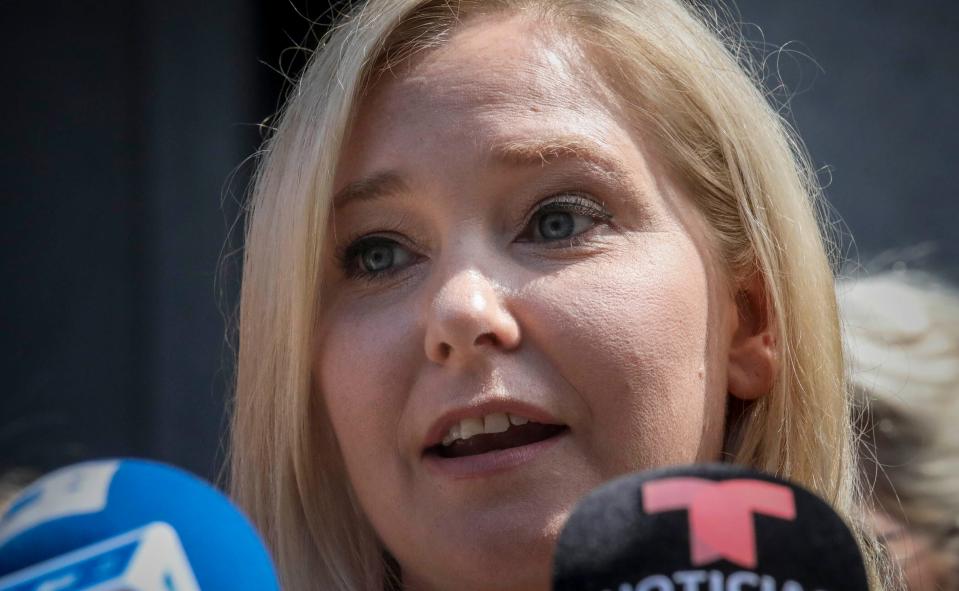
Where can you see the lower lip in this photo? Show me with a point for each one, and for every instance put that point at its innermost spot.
(490, 463)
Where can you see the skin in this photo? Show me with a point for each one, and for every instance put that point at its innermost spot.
(629, 334)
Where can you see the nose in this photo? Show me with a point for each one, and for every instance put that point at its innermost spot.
(467, 317)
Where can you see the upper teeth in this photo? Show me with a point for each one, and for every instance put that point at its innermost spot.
(496, 422)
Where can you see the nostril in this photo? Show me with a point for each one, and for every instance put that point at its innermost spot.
(487, 338)
(445, 350)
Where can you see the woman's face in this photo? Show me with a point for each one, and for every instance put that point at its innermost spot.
(505, 248)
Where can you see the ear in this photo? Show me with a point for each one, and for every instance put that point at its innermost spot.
(753, 353)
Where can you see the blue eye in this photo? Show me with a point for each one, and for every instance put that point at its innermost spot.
(556, 225)
(374, 256)
(377, 258)
(564, 218)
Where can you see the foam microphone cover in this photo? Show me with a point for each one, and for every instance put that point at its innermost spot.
(88, 505)
(706, 528)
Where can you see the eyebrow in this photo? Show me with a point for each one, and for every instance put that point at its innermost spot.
(543, 151)
(514, 153)
(582, 150)
(381, 184)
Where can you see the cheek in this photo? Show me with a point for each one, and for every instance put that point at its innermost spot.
(631, 333)
(359, 364)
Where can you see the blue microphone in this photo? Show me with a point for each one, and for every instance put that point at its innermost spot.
(132, 525)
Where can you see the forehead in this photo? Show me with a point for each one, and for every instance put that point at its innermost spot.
(490, 58)
(498, 79)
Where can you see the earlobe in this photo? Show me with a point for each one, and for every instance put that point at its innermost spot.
(753, 352)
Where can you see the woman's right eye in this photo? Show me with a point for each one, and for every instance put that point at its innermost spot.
(374, 257)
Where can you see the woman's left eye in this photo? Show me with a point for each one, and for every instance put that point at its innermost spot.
(564, 218)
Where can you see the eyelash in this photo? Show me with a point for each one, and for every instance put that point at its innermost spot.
(348, 257)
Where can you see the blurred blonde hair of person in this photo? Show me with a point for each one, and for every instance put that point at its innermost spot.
(902, 341)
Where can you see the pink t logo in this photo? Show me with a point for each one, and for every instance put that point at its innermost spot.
(720, 513)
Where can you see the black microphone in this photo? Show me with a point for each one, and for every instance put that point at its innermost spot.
(706, 528)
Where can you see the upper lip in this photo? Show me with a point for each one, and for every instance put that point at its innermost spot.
(439, 428)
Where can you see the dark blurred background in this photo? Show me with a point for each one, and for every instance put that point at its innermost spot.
(126, 130)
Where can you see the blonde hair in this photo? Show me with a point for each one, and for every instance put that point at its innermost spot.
(902, 340)
(683, 78)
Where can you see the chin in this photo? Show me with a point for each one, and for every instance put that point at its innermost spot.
(508, 551)
(521, 567)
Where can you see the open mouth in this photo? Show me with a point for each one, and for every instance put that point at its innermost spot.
(491, 433)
